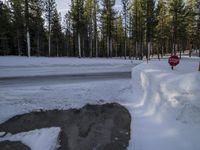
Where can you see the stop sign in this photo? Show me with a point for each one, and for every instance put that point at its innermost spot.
(173, 60)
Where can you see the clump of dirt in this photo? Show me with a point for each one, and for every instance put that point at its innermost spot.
(93, 127)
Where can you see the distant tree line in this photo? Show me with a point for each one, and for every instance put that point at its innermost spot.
(95, 28)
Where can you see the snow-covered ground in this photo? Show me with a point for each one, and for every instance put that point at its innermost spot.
(164, 104)
(39, 139)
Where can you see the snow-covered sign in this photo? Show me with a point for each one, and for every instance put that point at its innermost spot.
(173, 61)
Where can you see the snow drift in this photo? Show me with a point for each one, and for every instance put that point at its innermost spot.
(39, 139)
(165, 92)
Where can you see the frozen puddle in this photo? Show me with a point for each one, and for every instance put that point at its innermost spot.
(93, 127)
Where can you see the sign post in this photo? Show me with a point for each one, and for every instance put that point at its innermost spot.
(173, 61)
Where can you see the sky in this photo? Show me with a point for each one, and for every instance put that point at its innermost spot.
(63, 5)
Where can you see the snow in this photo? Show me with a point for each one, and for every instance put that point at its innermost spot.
(39, 66)
(39, 139)
(164, 104)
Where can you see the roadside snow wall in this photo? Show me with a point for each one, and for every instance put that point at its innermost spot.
(159, 90)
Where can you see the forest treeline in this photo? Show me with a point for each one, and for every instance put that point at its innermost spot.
(95, 28)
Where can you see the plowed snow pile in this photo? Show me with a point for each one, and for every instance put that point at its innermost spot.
(168, 105)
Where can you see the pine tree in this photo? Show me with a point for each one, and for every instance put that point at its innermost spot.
(56, 32)
(125, 4)
(88, 19)
(162, 27)
(138, 26)
(95, 32)
(37, 27)
(191, 24)
(50, 6)
(77, 17)
(5, 26)
(18, 21)
(68, 35)
(177, 10)
(27, 24)
(107, 20)
(150, 25)
(197, 17)
(119, 36)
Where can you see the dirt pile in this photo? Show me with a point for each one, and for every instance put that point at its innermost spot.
(93, 127)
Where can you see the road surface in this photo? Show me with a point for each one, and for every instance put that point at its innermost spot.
(61, 79)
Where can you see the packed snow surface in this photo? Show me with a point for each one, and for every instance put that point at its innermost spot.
(39, 139)
(164, 104)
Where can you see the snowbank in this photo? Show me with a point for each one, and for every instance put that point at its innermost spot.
(6, 61)
(159, 89)
(40, 139)
(166, 106)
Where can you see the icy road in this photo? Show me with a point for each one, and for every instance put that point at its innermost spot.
(61, 79)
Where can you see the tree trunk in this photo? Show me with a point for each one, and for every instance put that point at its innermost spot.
(95, 29)
(79, 45)
(27, 28)
(91, 51)
(162, 51)
(57, 49)
(125, 53)
(18, 44)
(148, 50)
(18, 47)
(136, 50)
(125, 49)
(108, 46)
(96, 46)
(38, 45)
(49, 44)
(49, 27)
(111, 48)
(28, 43)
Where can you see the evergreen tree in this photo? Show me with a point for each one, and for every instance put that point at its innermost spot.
(5, 26)
(197, 17)
(150, 25)
(107, 20)
(119, 36)
(138, 26)
(27, 24)
(178, 13)
(50, 6)
(37, 27)
(162, 27)
(68, 35)
(88, 22)
(18, 22)
(77, 17)
(95, 32)
(191, 24)
(56, 32)
(125, 4)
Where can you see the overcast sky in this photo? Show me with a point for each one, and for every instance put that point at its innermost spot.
(63, 5)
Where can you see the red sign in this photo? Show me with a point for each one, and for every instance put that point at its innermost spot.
(173, 60)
